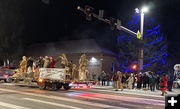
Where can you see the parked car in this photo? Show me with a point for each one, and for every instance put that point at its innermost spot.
(5, 73)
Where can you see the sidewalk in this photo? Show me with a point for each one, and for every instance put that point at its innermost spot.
(156, 93)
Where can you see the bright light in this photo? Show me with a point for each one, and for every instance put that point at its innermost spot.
(145, 9)
(93, 60)
(41, 80)
(134, 67)
(78, 7)
(137, 10)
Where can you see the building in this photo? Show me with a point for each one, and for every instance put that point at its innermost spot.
(99, 58)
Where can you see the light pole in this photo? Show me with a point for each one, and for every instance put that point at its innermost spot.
(140, 60)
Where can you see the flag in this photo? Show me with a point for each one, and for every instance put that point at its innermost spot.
(138, 35)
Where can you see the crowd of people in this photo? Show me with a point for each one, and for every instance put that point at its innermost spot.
(145, 81)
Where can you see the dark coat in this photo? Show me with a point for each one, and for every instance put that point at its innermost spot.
(152, 80)
(41, 62)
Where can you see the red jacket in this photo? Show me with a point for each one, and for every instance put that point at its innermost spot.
(138, 78)
(163, 83)
(51, 65)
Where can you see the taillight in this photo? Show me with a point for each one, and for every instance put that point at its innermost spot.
(84, 87)
(5, 75)
(91, 86)
(76, 87)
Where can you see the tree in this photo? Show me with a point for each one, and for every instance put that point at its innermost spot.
(11, 29)
(154, 45)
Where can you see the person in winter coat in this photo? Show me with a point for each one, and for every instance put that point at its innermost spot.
(163, 84)
(114, 80)
(170, 81)
(123, 82)
(130, 81)
(103, 78)
(117, 80)
(52, 63)
(144, 81)
(138, 76)
(134, 81)
(152, 82)
(46, 62)
(157, 82)
(40, 62)
(108, 79)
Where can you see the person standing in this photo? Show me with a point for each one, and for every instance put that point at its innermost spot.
(152, 82)
(40, 62)
(46, 62)
(147, 81)
(130, 81)
(52, 63)
(123, 82)
(141, 80)
(108, 79)
(117, 80)
(138, 80)
(114, 80)
(134, 81)
(170, 81)
(163, 84)
(144, 81)
(157, 82)
(103, 78)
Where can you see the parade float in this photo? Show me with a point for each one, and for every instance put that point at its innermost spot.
(44, 75)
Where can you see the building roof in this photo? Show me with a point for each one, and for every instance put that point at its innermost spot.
(72, 46)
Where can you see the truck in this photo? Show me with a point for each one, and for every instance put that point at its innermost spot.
(44, 78)
(50, 79)
(53, 78)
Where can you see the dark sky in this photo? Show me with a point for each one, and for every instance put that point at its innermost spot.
(60, 20)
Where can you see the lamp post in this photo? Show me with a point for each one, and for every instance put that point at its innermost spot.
(140, 60)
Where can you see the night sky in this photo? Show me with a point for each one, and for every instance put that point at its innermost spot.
(60, 20)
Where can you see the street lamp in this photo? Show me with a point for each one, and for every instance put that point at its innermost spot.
(142, 11)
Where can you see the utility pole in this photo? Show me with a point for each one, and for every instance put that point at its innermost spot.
(141, 54)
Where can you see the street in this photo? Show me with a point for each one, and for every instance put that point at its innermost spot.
(16, 97)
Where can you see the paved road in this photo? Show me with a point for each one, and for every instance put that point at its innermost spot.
(15, 97)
